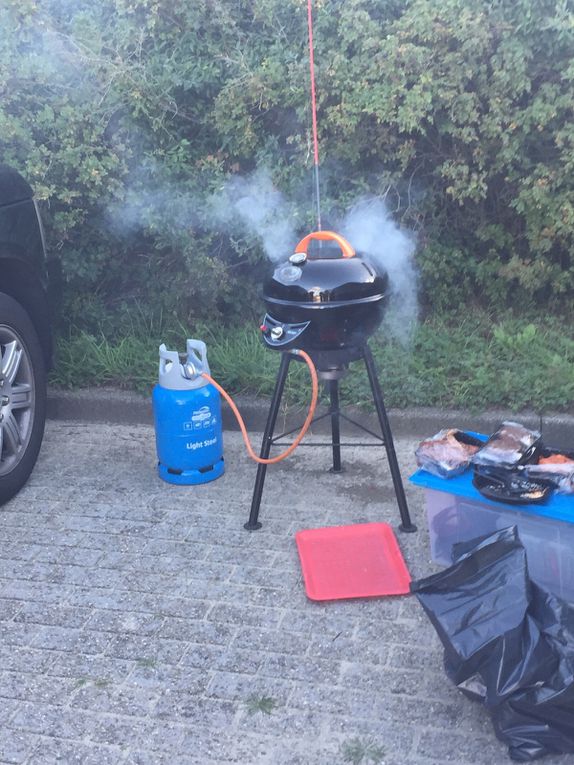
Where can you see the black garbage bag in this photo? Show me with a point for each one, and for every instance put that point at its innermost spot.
(508, 643)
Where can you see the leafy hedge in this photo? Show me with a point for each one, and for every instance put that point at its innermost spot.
(126, 115)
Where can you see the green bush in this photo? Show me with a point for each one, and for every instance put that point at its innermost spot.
(126, 115)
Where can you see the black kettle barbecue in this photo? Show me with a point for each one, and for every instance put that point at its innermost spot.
(319, 302)
(326, 302)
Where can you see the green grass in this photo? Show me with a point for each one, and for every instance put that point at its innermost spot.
(358, 751)
(263, 704)
(465, 361)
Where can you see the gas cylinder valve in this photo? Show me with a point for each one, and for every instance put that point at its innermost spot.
(189, 371)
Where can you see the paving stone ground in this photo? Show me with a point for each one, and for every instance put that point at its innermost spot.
(141, 625)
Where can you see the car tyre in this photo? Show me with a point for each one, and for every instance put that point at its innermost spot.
(22, 397)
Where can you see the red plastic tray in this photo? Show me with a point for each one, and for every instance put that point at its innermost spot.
(359, 561)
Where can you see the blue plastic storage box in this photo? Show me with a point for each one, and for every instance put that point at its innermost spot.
(457, 512)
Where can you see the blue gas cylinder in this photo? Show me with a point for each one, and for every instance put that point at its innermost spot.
(187, 416)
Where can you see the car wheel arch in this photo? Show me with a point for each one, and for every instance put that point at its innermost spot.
(19, 281)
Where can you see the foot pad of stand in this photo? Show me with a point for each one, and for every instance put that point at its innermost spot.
(252, 526)
(336, 472)
(408, 529)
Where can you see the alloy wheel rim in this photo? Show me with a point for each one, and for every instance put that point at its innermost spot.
(17, 399)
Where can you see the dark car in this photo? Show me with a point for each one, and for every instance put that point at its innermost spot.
(25, 332)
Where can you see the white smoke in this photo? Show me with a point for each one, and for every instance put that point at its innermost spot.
(255, 204)
(370, 228)
(243, 205)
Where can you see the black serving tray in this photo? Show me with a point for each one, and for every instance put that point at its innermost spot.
(510, 486)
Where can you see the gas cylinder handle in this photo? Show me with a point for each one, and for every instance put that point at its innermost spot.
(346, 249)
(198, 361)
(166, 358)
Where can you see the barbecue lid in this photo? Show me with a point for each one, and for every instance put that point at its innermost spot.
(318, 277)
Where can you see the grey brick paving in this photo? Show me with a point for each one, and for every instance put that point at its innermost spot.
(15, 746)
(140, 624)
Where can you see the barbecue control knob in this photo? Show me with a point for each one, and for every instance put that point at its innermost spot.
(277, 333)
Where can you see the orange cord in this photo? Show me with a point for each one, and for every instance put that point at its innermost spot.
(304, 429)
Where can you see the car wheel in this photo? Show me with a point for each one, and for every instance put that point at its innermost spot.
(22, 397)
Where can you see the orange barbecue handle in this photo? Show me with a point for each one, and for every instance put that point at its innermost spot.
(346, 249)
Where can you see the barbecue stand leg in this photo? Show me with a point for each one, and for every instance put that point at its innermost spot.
(253, 524)
(335, 426)
(406, 523)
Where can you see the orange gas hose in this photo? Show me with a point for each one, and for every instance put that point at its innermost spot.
(304, 429)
